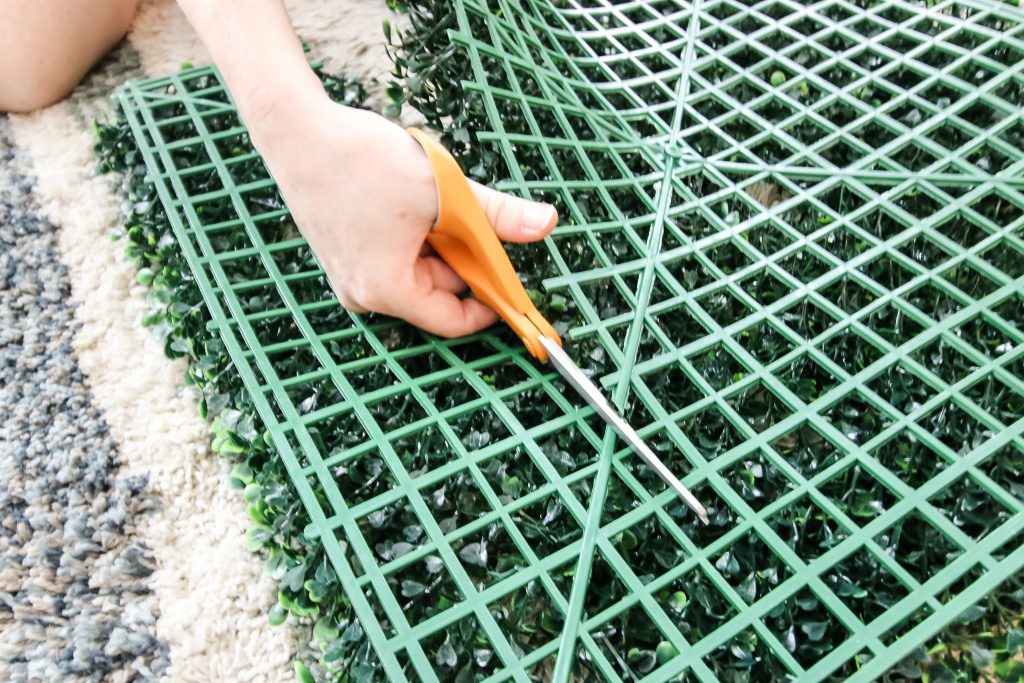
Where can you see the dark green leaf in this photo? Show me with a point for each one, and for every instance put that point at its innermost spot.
(475, 553)
(446, 655)
(815, 630)
(1014, 641)
(411, 589)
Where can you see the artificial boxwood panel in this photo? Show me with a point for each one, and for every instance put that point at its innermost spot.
(791, 251)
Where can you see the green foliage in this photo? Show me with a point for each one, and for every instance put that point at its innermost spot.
(713, 395)
(429, 63)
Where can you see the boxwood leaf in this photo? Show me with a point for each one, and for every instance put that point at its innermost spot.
(475, 553)
(446, 655)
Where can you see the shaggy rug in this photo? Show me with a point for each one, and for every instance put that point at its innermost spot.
(122, 552)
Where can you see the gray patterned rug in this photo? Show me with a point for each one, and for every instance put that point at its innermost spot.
(73, 571)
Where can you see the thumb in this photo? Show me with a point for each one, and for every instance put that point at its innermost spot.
(515, 219)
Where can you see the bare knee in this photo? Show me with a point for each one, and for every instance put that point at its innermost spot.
(47, 46)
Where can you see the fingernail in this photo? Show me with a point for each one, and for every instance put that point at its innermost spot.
(538, 218)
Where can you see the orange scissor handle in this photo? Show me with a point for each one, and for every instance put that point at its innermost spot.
(464, 238)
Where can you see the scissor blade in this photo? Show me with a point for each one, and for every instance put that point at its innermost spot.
(593, 396)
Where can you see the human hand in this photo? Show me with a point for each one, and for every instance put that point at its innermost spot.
(359, 187)
(363, 194)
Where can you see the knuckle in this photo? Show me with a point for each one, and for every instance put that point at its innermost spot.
(368, 296)
(346, 302)
(351, 295)
(493, 207)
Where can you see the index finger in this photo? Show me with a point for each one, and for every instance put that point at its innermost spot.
(446, 315)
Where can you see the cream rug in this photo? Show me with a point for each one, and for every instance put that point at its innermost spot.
(122, 553)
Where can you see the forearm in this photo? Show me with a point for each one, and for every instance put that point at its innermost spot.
(261, 59)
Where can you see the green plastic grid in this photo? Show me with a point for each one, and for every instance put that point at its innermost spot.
(695, 295)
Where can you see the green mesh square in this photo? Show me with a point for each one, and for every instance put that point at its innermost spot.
(798, 271)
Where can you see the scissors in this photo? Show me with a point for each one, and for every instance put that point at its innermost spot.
(462, 236)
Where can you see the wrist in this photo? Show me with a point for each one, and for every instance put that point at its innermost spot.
(273, 107)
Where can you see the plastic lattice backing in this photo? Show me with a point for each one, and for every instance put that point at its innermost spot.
(799, 272)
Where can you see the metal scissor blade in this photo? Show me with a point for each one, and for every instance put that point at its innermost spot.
(593, 396)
